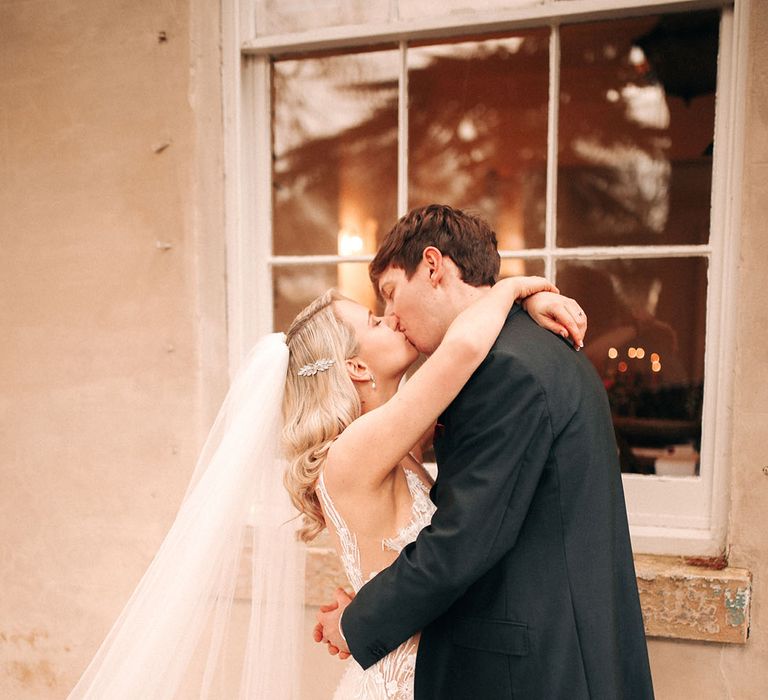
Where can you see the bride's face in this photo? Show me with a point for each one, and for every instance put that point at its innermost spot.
(384, 348)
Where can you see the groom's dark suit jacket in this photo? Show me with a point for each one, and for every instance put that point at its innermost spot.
(524, 584)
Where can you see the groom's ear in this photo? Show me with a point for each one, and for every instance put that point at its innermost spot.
(434, 262)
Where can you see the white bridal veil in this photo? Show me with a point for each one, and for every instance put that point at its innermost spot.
(182, 633)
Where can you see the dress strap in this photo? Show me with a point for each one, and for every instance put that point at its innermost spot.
(350, 552)
(328, 507)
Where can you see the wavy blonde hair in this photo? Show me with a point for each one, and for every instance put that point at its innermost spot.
(316, 409)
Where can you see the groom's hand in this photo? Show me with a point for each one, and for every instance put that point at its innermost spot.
(328, 630)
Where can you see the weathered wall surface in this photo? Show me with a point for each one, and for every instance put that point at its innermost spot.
(111, 309)
(113, 329)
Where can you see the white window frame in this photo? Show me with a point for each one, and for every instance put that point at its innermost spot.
(682, 516)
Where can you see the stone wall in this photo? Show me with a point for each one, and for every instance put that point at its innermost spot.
(113, 347)
(114, 325)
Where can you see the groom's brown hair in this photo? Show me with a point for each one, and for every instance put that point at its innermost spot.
(465, 238)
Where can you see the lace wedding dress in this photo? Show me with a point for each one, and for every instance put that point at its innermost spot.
(391, 678)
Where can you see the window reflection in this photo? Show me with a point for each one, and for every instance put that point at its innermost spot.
(635, 143)
(511, 267)
(295, 286)
(335, 153)
(637, 105)
(477, 135)
(646, 340)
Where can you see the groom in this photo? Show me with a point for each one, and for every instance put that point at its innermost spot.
(524, 585)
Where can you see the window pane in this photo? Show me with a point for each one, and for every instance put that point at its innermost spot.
(477, 136)
(511, 267)
(295, 286)
(284, 16)
(335, 153)
(637, 107)
(646, 339)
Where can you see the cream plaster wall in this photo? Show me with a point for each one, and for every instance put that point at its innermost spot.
(113, 348)
(111, 309)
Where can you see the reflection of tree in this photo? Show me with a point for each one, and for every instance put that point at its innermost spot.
(309, 178)
(632, 172)
(477, 139)
(682, 51)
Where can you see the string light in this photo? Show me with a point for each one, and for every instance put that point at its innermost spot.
(613, 353)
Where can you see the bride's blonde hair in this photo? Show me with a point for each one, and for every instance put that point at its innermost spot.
(316, 408)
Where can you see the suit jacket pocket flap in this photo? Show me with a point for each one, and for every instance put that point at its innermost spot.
(500, 636)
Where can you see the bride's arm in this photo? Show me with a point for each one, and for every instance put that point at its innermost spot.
(558, 314)
(381, 438)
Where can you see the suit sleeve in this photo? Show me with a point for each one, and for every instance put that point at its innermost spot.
(500, 438)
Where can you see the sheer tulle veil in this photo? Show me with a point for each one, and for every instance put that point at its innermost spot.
(181, 633)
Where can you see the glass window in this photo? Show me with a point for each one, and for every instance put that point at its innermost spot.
(510, 267)
(637, 112)
(477, 131)
(646, 339)
(632, 175)
(634, 138)
(295, 286)
(334, 153)
(592, 147)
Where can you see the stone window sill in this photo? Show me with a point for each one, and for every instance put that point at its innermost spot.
(679, 601)
(682, 601)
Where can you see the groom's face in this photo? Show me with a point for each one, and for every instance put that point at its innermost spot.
(413, 303)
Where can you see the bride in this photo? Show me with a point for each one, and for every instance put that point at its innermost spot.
(220, 610)
(349, 433)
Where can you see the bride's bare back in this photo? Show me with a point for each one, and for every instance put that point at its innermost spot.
(369, 529)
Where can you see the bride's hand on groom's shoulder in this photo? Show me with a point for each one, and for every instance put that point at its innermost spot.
(559, 314)
(328, 627)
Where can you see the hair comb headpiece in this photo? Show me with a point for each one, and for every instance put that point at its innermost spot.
(313, 368)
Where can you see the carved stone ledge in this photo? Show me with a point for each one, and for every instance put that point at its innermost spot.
(678, 600)
(689, 602)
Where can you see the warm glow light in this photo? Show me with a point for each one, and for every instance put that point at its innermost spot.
(612, 95)
(656, 366)
(636, 56)
(640, 353)
(613, 353)
(622, 366)
(655, 357)
(350, 243)
(632, 352)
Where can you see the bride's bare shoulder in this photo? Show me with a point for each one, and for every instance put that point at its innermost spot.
(348, 468)
(338, 471)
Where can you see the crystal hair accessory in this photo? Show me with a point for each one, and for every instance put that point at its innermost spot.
(313, 368)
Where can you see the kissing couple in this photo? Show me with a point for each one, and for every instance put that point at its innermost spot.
(510, 576)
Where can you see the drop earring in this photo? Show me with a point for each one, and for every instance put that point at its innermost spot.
(373, 382)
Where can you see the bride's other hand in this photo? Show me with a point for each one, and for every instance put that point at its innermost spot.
(559, 314)
(327, 629)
